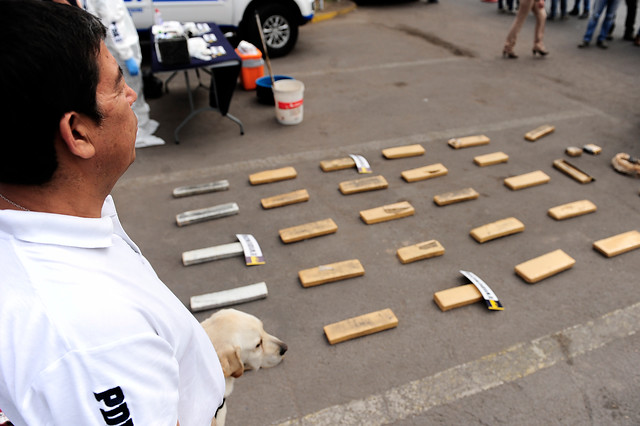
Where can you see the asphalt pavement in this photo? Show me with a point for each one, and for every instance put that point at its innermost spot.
(563, 351)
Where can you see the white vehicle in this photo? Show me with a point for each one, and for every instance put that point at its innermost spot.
(280, 18)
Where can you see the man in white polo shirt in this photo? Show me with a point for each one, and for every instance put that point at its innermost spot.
(90, 335)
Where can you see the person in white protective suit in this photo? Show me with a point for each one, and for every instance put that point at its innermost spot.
(123, 43)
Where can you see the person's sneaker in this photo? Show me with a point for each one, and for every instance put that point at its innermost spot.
(624, 163)
(583, 45)
(149, 127)
(4, 420)
(601, 44)
(584, 15)
(574, 12)
(551, 18)
(152, 126)
(628, 36)
(148, 140)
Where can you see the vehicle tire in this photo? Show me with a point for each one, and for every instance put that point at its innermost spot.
(278, 26)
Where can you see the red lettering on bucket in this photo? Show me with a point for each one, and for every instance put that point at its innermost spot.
(290, 105)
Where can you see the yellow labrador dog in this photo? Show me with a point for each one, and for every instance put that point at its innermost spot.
(241, 344)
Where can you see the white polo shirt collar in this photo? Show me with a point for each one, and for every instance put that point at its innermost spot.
(57, 229)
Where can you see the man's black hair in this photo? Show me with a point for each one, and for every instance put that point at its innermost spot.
(49, 56)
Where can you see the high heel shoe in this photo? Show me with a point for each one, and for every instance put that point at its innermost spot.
(540, 52)
(509, 55)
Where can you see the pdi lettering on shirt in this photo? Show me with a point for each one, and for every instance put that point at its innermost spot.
(115, 33)
(117, 412)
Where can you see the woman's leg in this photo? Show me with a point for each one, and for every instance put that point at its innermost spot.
(541, 16)
(521, 16)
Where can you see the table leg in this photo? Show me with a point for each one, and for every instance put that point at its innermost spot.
(186, 78)
(193, 112)
(237, 121)
(166, 82)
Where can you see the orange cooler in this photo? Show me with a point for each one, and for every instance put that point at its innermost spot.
(252, 68)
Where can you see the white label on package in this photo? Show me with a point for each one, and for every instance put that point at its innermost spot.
(488, 295)
(252, 253)
(361, 163)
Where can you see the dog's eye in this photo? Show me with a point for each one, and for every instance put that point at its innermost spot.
(259, 344)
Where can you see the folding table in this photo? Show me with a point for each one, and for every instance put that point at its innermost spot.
(224, 71)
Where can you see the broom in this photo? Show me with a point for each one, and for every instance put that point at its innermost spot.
(266, 54)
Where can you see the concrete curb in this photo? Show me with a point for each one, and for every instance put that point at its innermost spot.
(480, 375)
(325, 16)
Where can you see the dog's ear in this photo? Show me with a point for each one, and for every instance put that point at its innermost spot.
(231, 363)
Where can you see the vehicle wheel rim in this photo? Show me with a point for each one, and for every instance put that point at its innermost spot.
(276, 31)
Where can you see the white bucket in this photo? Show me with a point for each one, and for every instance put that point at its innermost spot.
(288, 98)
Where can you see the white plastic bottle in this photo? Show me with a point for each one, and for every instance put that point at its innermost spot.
(157, 17)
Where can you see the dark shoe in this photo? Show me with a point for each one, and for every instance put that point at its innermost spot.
(609, 36)
(583, 45)
(628, 36)
(636, 42)
(509, 55)
(551, 18)
(540, 52)
(601, 44)
(584, 15)
(574, 12)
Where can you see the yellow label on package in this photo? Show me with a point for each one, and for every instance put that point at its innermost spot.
(252, 253)
(488, 295)
(361, 163)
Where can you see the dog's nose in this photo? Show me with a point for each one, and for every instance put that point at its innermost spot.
(283, 348)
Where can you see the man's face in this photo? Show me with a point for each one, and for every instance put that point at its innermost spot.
(115, 137)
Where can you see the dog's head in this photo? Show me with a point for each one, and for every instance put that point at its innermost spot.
(241, 342)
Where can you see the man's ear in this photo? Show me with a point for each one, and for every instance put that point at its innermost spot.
(75, 132)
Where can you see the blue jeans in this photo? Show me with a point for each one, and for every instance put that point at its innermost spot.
(554, 8)
(586, 5)
(598, 8)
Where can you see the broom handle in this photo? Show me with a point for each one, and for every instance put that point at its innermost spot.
(264, 47)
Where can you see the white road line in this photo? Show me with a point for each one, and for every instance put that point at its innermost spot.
(333, 152)
(488, 372)
(386, 66)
